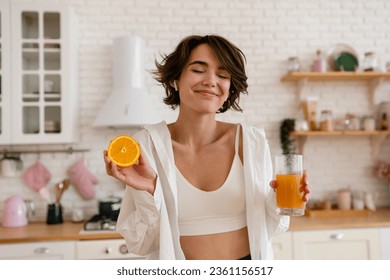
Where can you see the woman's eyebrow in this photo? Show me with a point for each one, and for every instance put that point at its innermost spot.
(199, 62)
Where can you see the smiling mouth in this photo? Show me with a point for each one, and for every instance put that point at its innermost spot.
(207, 93)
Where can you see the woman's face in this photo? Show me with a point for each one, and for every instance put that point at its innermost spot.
(204, 83)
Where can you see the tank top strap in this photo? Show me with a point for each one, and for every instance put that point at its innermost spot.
(237, 139)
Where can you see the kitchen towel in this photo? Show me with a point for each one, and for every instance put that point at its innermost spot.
(37, 176)
(82, 179)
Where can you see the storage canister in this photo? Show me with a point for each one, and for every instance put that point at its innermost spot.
(326, 120)
(293, 64)
(370, 62)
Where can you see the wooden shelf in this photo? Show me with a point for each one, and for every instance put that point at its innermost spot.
(340, 132)
(374, 79)
(377, 137)
(335, 76)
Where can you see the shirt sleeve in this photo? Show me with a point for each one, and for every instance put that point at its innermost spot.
(139, 218)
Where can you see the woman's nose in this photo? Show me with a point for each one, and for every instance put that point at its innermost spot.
(209, 81)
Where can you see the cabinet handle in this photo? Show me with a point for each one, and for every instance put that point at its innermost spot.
(108, 250)
(123, 249)
(42, 250)
(337, 236)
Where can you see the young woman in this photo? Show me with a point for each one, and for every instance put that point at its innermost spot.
(201, 189)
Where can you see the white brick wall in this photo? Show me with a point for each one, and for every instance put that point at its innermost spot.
(268, 32)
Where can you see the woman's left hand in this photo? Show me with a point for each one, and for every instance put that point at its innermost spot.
(305, 189)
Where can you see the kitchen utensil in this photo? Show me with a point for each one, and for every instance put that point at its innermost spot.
(60, 189)
(15, 212)
(54, 214)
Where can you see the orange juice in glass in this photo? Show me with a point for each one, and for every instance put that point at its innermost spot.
(289, 172)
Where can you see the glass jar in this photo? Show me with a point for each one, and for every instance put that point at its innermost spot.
(293, 64)
(326, 120)
(370, 62)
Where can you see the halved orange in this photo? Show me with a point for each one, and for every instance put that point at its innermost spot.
(124, 151)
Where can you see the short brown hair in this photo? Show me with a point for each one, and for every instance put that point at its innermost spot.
(230, 56)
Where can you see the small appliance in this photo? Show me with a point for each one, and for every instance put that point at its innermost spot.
(16, 211)
(108, 214)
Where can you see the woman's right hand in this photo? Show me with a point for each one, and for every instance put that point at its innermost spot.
(139, 176)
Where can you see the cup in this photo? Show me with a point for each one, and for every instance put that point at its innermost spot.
(8, 167)
(288, 173)
(77, 215)
(54, 214)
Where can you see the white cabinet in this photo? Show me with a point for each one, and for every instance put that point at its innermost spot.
(104, 249)
(384, 234)
(337, 244)
(64, 250)
(282, 246)
(38, 73)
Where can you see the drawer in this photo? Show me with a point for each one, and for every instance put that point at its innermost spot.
(64, 250)
(103, 250)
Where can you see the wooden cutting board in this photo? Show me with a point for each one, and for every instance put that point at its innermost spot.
(336, 213)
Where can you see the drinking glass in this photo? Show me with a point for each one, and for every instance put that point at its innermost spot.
(288, 173)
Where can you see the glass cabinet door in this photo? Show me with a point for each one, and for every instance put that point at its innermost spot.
(41, 72)
(5, 94)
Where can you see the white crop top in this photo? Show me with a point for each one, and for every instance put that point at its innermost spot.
(208, 212)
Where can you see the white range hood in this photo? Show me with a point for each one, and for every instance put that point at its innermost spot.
(129, 104)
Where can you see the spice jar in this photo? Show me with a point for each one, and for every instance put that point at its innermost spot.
(293, 64)
(370, 62)
(326, 120)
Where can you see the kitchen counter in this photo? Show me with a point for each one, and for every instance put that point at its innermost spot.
(379, 218)
(36, 232)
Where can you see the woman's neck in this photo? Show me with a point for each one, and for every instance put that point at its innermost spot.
(195, 131)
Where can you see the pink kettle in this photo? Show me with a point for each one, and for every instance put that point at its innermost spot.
(15, 211)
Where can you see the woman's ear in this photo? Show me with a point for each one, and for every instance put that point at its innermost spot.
(174, 84)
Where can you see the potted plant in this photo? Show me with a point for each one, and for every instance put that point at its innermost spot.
(287, 143)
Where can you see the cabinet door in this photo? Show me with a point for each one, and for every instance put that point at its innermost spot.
(64, 250)
(282, 246)
(338, 244)
(5, 75)
(385, 243)
(43, 74)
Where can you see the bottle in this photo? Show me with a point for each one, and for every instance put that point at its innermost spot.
(384, 123)
(319, 63)
(313, 121)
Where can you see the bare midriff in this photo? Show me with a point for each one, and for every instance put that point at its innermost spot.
(231, 245)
